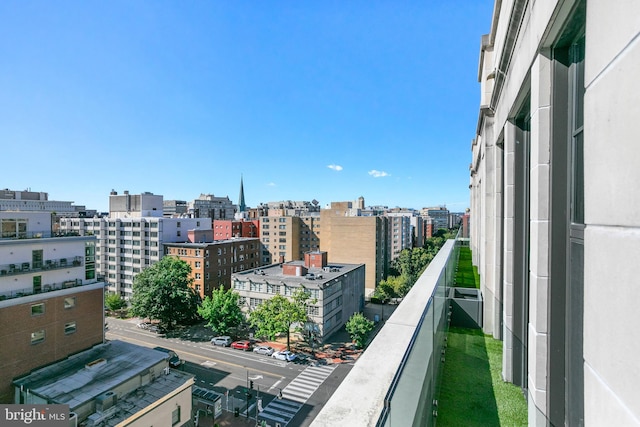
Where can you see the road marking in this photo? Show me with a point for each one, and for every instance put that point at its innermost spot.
(197, 356)
(296, 394)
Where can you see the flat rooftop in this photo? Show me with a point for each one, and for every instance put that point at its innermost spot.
(83, 376)
(274, 273)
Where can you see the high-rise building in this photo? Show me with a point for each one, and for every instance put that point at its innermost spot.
(439, 217)
(555, 228)
(350, 238)
(132, 237)
(51, 300)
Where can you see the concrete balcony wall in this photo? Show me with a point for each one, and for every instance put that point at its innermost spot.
(395, 380)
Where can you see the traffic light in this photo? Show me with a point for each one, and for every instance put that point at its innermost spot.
(251, 384)
(248, 396)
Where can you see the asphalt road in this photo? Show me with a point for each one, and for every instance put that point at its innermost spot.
(224, 369)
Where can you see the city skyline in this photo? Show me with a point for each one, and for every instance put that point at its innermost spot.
(328, 102)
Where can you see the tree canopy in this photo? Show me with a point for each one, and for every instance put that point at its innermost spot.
(163, 292)
(276, 315)
(408, 266)
(114, 302)
(359, 329)
(222, 311)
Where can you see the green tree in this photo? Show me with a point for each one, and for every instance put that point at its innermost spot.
(163, 292)
(114, 302)
(359, 329)
(276, 315)
(222, 311)
(385, 290)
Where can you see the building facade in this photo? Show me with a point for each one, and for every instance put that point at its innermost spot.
(51, 300)
(131, 238)
(554, 214)
(337, 289)
(402, 232)
(210, 206)
(224, 229)
(213, 263)
(356, 239)
(439, 217)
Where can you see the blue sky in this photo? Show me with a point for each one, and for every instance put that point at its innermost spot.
(326, 100)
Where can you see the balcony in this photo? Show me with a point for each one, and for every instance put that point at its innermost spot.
(50, 264)
(49, 287)
(417, 371)
(19, 235)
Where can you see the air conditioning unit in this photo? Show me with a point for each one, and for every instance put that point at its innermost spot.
(105, 401)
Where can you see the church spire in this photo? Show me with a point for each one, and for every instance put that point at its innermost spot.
(241, 205)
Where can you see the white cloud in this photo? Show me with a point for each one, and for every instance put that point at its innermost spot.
(378, 174)
(271, 184)
(335, 167)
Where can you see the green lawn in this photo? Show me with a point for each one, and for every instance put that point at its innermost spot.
(472, 392)
(467, 275)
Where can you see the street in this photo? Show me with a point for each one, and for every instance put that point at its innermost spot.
(230, 372)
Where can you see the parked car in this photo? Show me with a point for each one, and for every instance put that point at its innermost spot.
(241, 345)
(284, 355)
(143, 325)
(156, 329)
(224, 341)
(264, 349)
(174, 360)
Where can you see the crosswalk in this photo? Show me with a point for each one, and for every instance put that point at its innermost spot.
(295, 395)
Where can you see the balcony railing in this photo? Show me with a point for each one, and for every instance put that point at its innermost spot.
(36, 235)
(397, 377)
(50, 264)
(49, 287)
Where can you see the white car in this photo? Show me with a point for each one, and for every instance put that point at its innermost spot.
(284, 355)
(263, 349)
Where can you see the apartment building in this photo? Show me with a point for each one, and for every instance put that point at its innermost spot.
(439, 217)
(51, 300)
(132, 237)
(349, 238)
(286, 238)
(405, 231)
(554, 211)
(27, 200)
(213, 263)
(338, 289)
(224, 229)
(174, 208)
(210, 206)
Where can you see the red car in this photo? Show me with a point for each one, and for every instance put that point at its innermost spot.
(241, 345)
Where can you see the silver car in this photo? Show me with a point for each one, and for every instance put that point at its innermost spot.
(263, 349)
(224, 341)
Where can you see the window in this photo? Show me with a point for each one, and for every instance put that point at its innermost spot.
(37, 309)
(36, 258)
(69, 328)
(37, 337)
(69, 302)
(175, 416)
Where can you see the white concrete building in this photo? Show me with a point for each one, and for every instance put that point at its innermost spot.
(555, 227)
(338, 289)
(132, 237)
